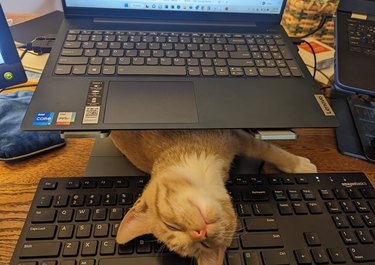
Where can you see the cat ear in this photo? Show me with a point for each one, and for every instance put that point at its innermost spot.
(216, 258)
(136, 222)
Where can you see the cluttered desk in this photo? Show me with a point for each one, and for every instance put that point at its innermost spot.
(319, 218)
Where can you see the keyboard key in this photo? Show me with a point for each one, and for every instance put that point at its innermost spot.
(285, 209)
(340, 221)
(269, 72)
(72, 61)
(293, 67)
(151, 70)
(41, 232)
(326, 194)
(355, 221)
(252, 258)
(44, 216)
(275, 258)
(107, 247)
(143, 260)
(70, 249)
(49, 185)
(40, 250)
(65, 231)
(63, 69)
(65, 215)
(312, 239)
(261, 240)
(45, 201)
(314, 208)
(302, 256)
(83, 231)
(364, 236)
(255, 195)
(101, 230)
(243, 209)
(348, 237)
(362, 253)
(262, 209)
(336, 255)
(319, 255)
(260, 224)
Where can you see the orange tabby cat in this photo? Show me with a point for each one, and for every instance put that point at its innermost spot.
(185, 204)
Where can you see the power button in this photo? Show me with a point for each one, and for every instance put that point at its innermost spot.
(8, 76)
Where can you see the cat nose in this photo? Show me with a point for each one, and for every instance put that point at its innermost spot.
(201, 234)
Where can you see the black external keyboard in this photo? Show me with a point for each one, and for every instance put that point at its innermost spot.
(282, 219)
(109, 53)
(363, 113)
(361, 36)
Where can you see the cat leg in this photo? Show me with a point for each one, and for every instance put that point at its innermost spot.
(282, 159)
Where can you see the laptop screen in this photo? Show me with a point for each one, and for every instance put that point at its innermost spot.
(226, 6)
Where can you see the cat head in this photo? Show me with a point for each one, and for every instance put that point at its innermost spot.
(190, 217)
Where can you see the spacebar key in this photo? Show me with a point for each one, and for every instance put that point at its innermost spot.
(151, 70)
(157, 260)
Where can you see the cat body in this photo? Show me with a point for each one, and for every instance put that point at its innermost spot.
(185, 204)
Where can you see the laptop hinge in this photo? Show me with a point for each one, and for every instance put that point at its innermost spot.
(161, 22)
(84, 134)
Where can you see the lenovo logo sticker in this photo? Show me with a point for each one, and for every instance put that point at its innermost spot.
(324, 105)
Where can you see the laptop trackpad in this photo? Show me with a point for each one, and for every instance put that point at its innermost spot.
(151, 102)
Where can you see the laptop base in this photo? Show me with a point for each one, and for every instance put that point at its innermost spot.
(347, 137)
(107, 160)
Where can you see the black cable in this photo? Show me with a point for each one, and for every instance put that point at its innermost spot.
(323, 74)
(320, 26)
(314, 54)
(23, 54)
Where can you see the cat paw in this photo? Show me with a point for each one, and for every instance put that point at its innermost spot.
(301, 165)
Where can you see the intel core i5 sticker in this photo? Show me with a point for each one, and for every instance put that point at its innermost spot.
(65, 118)
(93, 103)
(43, 118)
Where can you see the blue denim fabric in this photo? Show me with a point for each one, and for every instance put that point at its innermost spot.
(15, 143)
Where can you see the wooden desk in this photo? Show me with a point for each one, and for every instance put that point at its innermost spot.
(18, 180)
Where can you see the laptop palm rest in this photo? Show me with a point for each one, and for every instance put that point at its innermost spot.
(151, 102)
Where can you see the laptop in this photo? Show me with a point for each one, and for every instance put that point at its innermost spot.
(355, 57)
(174, 64)
(355, 74)
(11, 69)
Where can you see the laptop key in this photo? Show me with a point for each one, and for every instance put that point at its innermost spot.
(240, 62)
(63, 69)
(94, 70)
(72, 52)
(294, 69)
(73, 60)
(151, 70)
(269, 72)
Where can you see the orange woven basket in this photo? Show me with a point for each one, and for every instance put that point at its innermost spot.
(302, 16)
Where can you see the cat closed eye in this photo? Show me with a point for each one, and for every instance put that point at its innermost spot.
(171, 227)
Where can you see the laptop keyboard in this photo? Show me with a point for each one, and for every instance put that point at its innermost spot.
(282, 219)
(361, 36)
(121, 53)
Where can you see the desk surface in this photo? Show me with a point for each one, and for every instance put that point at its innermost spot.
(18, 180)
